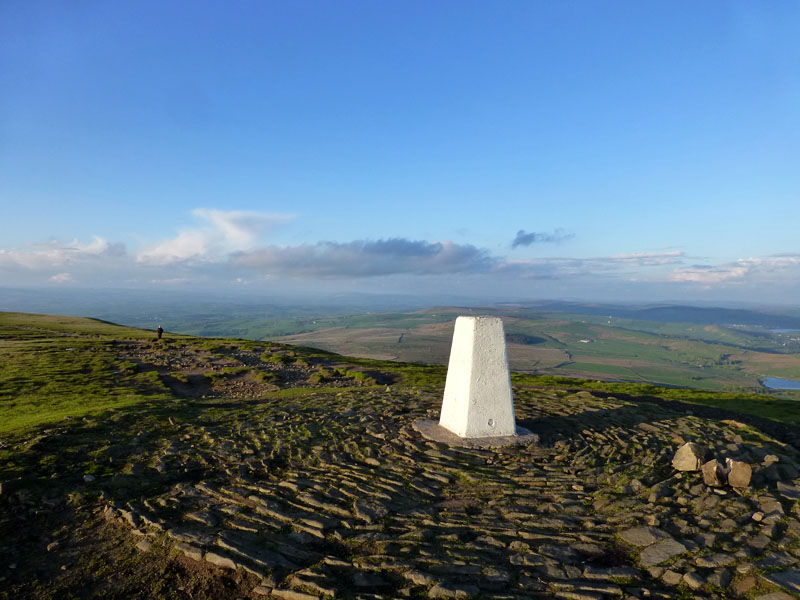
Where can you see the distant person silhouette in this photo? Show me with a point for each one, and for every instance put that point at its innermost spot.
(159, 331)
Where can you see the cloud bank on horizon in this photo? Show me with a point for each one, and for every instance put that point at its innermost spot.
(227, 248)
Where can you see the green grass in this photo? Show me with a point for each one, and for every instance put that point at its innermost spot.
(280, 359)
(48, 373)
(226, 373)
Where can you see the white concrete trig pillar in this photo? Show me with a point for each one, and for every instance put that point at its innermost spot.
(477, 394)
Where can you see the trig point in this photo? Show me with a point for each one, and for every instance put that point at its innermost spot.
(477, 394)
(478, 408)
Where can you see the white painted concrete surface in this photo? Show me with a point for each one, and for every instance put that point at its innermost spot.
(477, 394)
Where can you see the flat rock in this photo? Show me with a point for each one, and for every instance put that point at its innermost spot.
(431, 430)
(370, 511)
(189, 551)
(419, 578)
(643, 536)
(789, 491)
(671, 578)
(788, 580)
(453, 591)
(220, 560)
(660, 552)
(292, 595)
(694, 580)
(607, 574)
(714, 561)
(744, 585)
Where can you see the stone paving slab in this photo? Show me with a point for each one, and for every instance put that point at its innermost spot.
(431, 430)
(339, 495)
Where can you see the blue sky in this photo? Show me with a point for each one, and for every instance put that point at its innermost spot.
(634, 151)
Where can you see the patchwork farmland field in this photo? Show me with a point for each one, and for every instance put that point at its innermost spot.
(680, 354)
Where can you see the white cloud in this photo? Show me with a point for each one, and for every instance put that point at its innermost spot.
(561, 267)
(646, 259)
(227, 248)
(57, 254)
(741, 271)
(220, 233)
(362, 258)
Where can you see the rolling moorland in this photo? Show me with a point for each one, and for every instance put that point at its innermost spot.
(227, 468)
(733, 357)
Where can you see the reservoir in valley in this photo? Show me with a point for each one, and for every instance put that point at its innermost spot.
(779, 383)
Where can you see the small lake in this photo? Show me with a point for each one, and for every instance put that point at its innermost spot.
(784, 330)
(779, 383)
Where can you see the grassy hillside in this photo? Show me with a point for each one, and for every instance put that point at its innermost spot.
(55, 368)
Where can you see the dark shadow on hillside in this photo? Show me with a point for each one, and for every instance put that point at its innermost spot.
(646, 409)
(553, 428)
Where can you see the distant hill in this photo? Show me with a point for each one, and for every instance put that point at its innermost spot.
(678, 314)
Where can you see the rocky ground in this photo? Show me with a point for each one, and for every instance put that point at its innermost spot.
(306, 493)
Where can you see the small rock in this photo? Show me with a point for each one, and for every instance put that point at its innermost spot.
(689, 457)
(768, 505)
(652, 520)
(144, 545)
(720, 578)
(219, 560)
(660, 552)
(292, 595)
(744, 585)
(714, 473)
(671, 578)
(759, 542)
(418, 578)
(713, 561)
(453, 591)
(189, 551)
(88, 478)
(694, 580)
(370, 511)
(739, 473)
